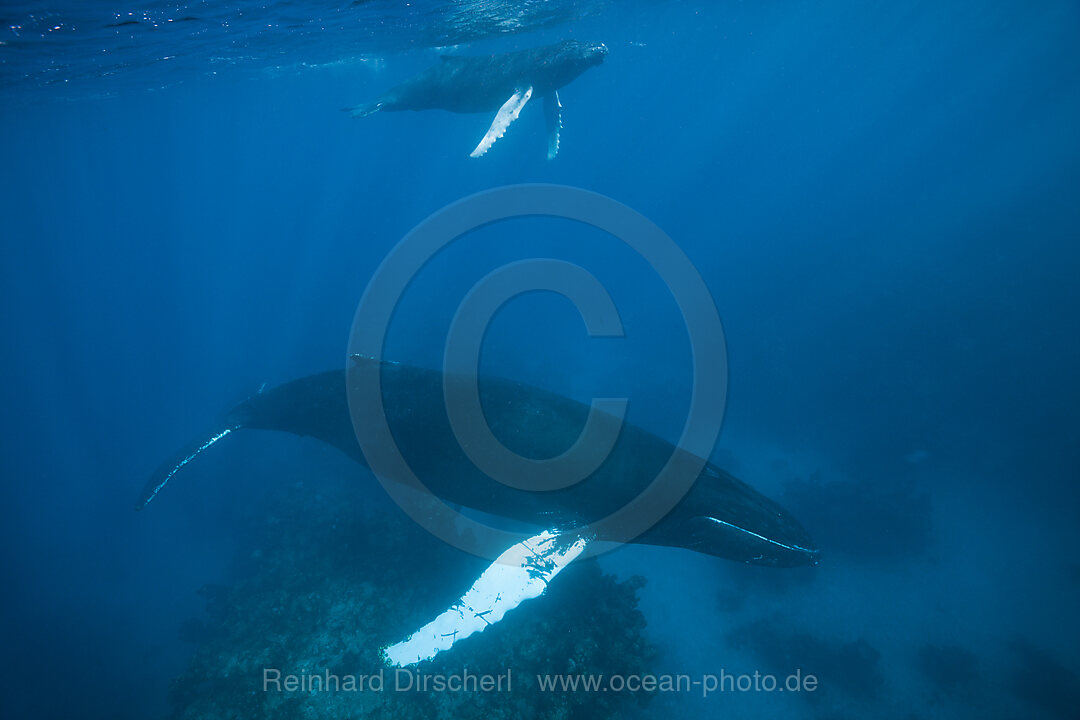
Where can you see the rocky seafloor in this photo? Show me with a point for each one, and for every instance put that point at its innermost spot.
(324, 585)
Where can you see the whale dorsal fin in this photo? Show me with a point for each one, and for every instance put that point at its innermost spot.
(553, 118)
(519, 574)
(507, 114)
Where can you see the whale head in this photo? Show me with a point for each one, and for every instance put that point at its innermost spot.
(724, 517)
(585, 55)
(571, 58)
(593, 53)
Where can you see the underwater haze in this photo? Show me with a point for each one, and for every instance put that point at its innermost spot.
(882, 200)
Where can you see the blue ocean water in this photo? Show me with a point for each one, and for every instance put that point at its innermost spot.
(882, 201)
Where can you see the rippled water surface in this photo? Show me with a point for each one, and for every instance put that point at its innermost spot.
(44, 43)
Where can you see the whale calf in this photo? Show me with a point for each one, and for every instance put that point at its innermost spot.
(503, 82)
(719, 516)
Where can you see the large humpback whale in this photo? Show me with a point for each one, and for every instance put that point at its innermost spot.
(720, 515)
(503, 82)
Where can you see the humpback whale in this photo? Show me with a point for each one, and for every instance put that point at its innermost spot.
(719, 516)
(504, 82)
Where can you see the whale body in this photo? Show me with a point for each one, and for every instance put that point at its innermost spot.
(503, 82)
(720, 515)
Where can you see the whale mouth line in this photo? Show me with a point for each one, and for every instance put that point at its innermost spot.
(793, 548)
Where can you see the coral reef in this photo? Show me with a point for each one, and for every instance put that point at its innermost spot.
(744, 583)
(947, 668)
(327, 585)
(1041, 680)
(849, 669)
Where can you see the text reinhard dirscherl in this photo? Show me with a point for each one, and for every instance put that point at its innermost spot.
(408, 680)
(401, 680)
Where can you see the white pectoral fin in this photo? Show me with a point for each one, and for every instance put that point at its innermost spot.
(519, 574)
(553, 118)
(507, 114)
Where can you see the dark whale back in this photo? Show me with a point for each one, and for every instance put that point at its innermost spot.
(472, 84)
(535, 423)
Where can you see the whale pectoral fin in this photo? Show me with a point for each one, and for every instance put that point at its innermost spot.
(519, 574)
(507, 114)
(553, 117)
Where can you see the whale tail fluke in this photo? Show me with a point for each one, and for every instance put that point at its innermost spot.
(314, 406)
(359, 111)
(169, 468)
